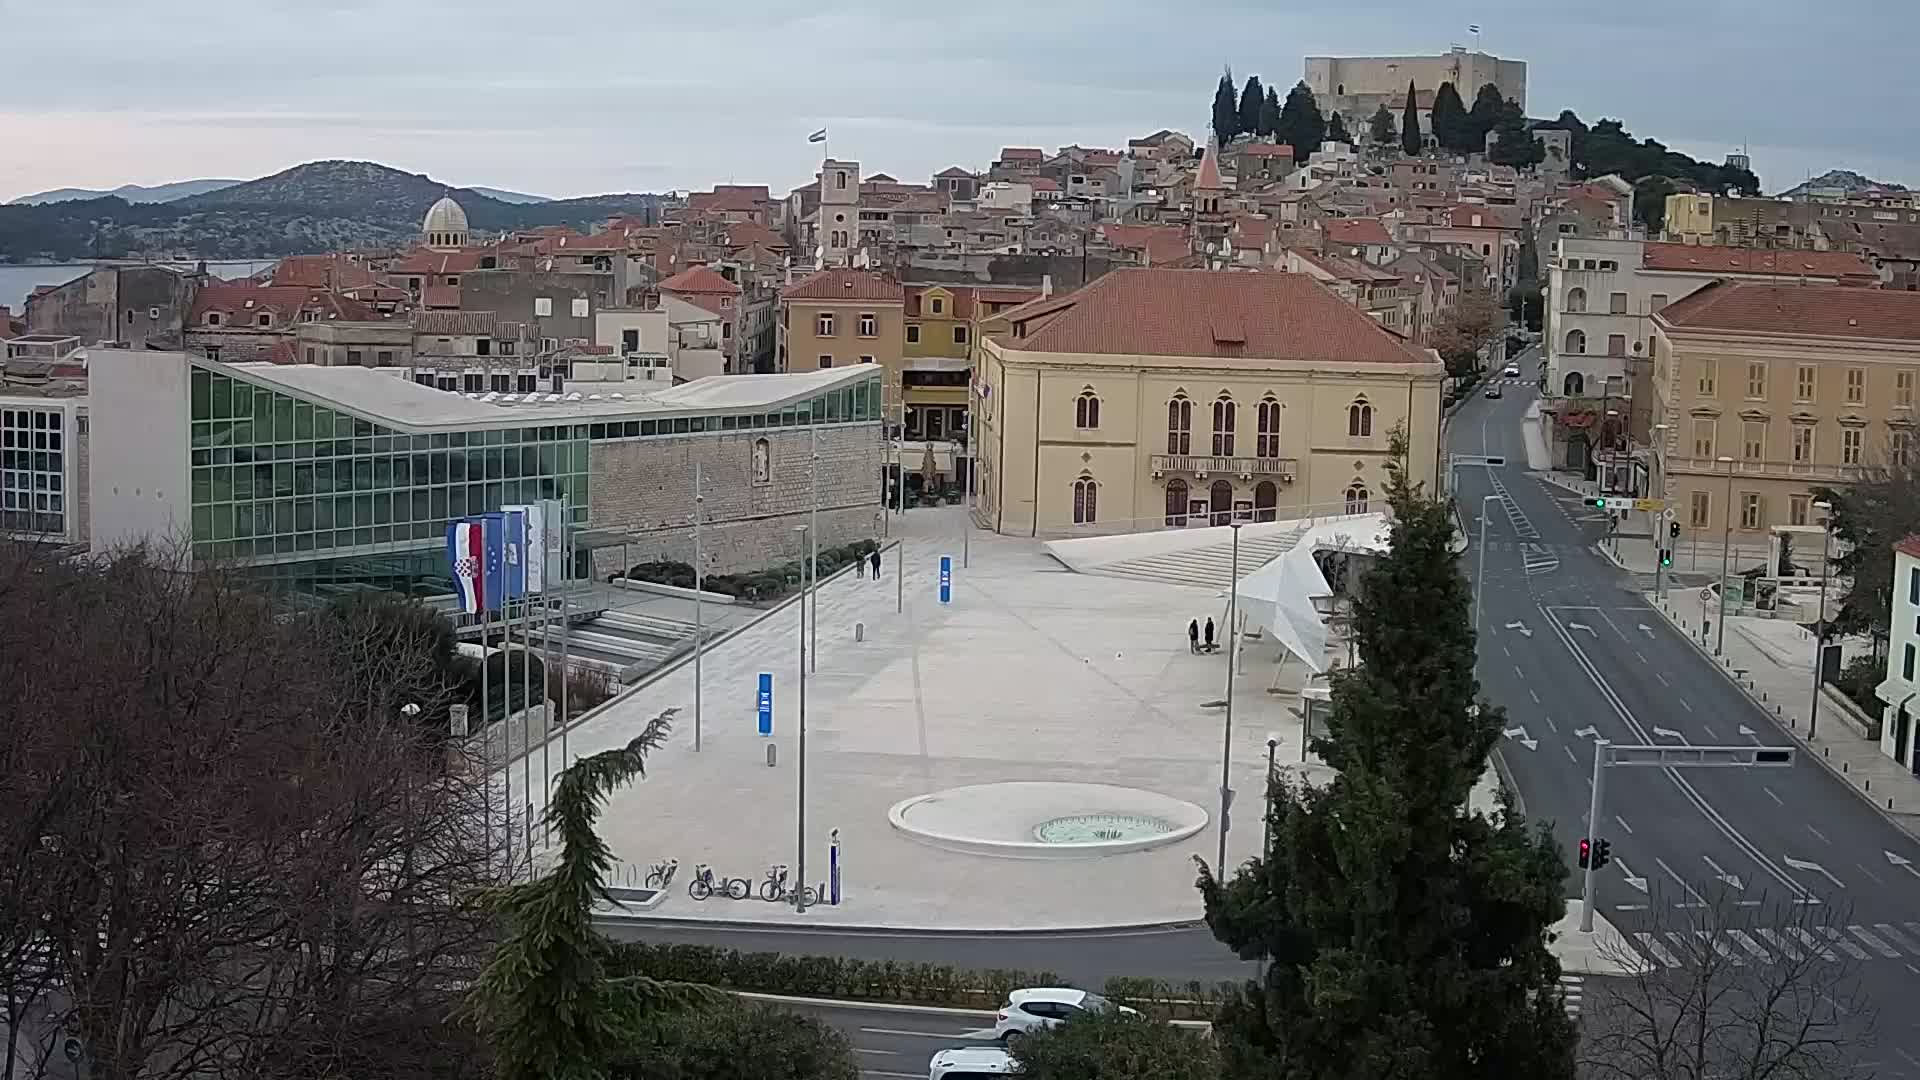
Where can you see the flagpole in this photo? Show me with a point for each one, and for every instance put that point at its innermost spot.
(486, 741)
(546, 656)
(566, 617)
(699, 614)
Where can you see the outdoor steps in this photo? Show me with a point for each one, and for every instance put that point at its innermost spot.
(663, 630)
(1211, 565)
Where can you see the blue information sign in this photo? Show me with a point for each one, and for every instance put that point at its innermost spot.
(946, 579)
(765, 703)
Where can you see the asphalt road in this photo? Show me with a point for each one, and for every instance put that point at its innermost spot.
(1572, 651)
(891, 1043)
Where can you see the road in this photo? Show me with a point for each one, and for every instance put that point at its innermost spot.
(896, 1043)
(1571, 649)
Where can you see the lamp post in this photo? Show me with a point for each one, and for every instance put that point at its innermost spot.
(1657, 489)
(1820, 619)
(699, 613)
(813, 557)
(1233, 655)
(1726, 549)
(1266, 830)
(1480, 574)
(800, 758)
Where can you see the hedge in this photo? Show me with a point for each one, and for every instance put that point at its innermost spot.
(771, 583)
(848, 979)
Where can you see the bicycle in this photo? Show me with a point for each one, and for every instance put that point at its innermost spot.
(704, 884)
(660, 875)
(774, 889)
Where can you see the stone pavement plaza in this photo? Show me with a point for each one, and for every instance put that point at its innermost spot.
(1032, 672)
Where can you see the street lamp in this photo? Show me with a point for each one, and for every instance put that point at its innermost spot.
(800, 760)
(1820, 617)
(699, 609)
(1480, 574)
(1266, 831)
(1726, 549)
(1233, 656)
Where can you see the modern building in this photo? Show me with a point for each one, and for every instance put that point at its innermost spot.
(1166, 398)
(1766, 390)
(331, 477)
(43, 461)
(1899, 737)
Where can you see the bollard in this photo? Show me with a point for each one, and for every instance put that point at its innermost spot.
(1867, 784)
(1889, 802)
(1826, 751)
(772, 753)
(859, 631)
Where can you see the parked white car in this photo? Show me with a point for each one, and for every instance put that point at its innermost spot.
(1030, 1010)
(970, 1063)
(1512, 369)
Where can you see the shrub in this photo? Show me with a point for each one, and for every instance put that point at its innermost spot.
(734, 1039)
(587, 688)
(1857, 680)
(754, 586)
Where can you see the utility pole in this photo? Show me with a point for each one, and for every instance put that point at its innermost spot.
(1226, 737)
(1820, 620)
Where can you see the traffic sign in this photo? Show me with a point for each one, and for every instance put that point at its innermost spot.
(1623, 502)
(1671, 513)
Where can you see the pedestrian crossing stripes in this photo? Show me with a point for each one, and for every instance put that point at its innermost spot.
(1539, 559)
(1767, 945)
(1573, 992)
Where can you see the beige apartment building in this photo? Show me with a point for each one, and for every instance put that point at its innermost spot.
(835, 318)
(1156, 399)
(1768, 390)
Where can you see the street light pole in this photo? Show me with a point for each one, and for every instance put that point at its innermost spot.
(699, 612)
(1726, 549)
(1226, 738)
(1593, 832)
(813, 558)
(1820, 618)
(1480, 574)
(800, 759)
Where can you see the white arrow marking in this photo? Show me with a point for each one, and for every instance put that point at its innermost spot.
(1666, 733)
(1730, 879)
(1636, 882)
(1746, 731)
(1801, 864)
(1647, 630)
(1902, 863)
(1586, 733)
(1519, 735)
(1522, 627)
(1582, 626)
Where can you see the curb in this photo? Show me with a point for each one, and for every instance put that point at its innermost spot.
(687, 922)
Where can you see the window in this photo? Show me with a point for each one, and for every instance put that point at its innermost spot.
(386, 358)
(1086, 410)
(1360, 419)
(1616, 344)
(213, 318)
(1906, 662)
(1703, 438)
(959, 335)
(1356, 498)
(1856, 385)
(1850, 440)
(263, 319)
(1576, 342)
(630, 341)
(1576, 300)
(355, 358)
(1899, 444)
(1657, 301)
(309, 354)
(1708, 381)
(1797, 506)
(1752, 509)
(1903, 389)
(483, 346)
(1266, 442)
(1803, 444)
(1176, 502)
(1753, 444)
(1617, 303)
(1180, 425)
(823, 324)
(1609, 264)
(1803, 382)
(1913, 586)
(542, 307)
(869, 324)
(1699, 510)
(1756, 380)
(866, 359)
(1224, 412)
(913, 334)
(826, 360)
(1086, 495)
(839, 179)
(938, 304)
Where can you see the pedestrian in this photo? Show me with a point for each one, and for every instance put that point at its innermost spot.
(860, 566)
(876, 564)
(1209, 633)
(1193, 636)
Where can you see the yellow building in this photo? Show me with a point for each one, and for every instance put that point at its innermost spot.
(1164, 398)
(943, 331)
(1767, 390)
(840, 317)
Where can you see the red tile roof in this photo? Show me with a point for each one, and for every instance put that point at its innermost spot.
(735, 197)
(287, 301)
(1841, 265)
(1209, 176)
(1817, 311)
(954, 172)
(1478, 216)
(422, 261)
(451, 323)
(440, 296)
(1162, 243)
(1350, 231)
(1044, 183)
(700, 280)
(1021, 153)
(1250, 316)
(1260, 149)
(845, 285)
(1910, 546)
(321, 272)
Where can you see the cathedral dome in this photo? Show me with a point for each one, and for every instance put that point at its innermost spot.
(445, 224)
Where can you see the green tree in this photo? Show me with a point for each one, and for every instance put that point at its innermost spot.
(545, 999)
(1485, 112)
(1337, 129)
(734, 1041)
(1869, 517)
(1226, 114)
(1513, 143)
(1451, 128)
(1251, 100)
(1410, 141)
(1381, 126)
(1406, 935)
(1116, 1046)
(1301, 125)
(1270, 113)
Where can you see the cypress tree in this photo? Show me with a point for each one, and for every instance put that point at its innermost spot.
(1226, 114)
(1450, 126)
(1407, 935)
(1410, 124)
(1301, 125)
(1270, 113)
(1337, 130)
(1381, 126)
(1485, 112)
(1251, 100)
(1513, 143)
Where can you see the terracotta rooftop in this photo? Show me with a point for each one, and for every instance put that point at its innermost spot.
(845, 285)
(422, 261)
(1910, 546)
(700, 279)
(1021, 153)
(321, 272)
(1348, 231)
(1208, 178)
(1200, 313)
(240, 297)
(954, 172)
(1845, 266)
(1162, 243)
(440, 296)
(737, 197)
(1260, 149)
(1480, 216)
(1819, 311)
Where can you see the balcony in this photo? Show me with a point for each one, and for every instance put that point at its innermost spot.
(1246, 468)
(1769, 469)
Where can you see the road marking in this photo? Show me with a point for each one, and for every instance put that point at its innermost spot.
(1813, 944)
(1698, 900)
(1874, 943)
(1818, 833)
(1522, 627)
(1781, 943)
(1662, 678)
(1871, 876)
(1550, 723)
(1802, 864)
(1639, 657)
(1771, 795)
(1747, 733)
(1585, 732)
(1575, 760)
(1887, 931)
(1517, 671)
(1666, 733)
(1647, 630)
(1651, 945)
(1709, 732)
(1629, 907)
(1507, 651)
(1633, 882)
(1719, 947)
(1740, 938)
(883, 1072)
(1623, 824)
(1583, 626)
(1839, 939)
(1683, 704)
(883, 1053)
(1901, 862)
(1722, 875)
(1911, 1060)
(916, 1034)
(1520, 736)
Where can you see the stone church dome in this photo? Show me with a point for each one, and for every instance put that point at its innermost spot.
(445, 224)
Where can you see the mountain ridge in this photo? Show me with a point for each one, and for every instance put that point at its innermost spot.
(133, 193)
(1844, 179)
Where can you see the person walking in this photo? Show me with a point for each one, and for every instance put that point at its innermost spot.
(876, 564)
(860, 567)
(1193, 636)
(1209, 633)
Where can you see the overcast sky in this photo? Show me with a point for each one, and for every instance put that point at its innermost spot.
(575, 97)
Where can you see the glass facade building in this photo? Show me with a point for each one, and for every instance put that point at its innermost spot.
(33, 470)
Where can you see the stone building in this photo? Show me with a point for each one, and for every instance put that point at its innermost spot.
(140, 307)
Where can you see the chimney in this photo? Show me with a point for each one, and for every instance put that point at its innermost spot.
(1046, 286)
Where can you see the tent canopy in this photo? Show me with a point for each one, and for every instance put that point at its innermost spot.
(1279, 597)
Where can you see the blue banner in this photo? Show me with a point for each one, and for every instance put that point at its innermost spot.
(764, 704)
(513, 546)
(494, 528)
(946, 579)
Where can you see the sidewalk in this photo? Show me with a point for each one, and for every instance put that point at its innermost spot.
(1780, 678)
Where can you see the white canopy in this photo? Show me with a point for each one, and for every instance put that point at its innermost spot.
(1279, 597)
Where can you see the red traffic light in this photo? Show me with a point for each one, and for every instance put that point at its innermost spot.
(1586, 851)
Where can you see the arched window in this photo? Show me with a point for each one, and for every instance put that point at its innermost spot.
(1576, 299)
(1576, 342)
(1574, 385)
(1356, 498)
(1180, 425)
(1176, 502)
(1086, 410)
(1086, 493)
(1360, 419)
(1266, 417)
(1220, 503)
(1223, 417)
(1266, 498)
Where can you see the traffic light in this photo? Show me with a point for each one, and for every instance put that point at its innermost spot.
(1666, 556)
(1673, 529)
(1586, 849)
(1602, 854)
(1597, 502)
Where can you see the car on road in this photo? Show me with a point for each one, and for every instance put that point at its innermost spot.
(1493, 390)
(1511, 370)
(1030, 1010)
(970, 1062)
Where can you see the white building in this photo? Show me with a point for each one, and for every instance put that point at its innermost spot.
(1902, 684)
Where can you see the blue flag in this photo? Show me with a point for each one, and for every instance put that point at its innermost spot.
(494, 529)
(514, 551)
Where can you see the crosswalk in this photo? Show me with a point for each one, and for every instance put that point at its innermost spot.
(1738, 947)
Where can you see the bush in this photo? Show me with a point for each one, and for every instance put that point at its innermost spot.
(754, 586)
(587, 688)
(1857, 680)
(730, 1040)
(1116, 1046)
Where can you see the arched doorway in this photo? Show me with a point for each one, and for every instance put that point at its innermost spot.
(1578, 457)
(1573, 385)
(1176, 502)
(1220, 502)
(1265, 498)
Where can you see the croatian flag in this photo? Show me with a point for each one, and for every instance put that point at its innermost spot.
(466, 554)
(818, 136)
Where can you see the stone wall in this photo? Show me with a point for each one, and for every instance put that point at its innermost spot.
(643, 488)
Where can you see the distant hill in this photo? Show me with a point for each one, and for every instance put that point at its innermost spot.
(1840, 179)
(132, 193)
(516, 197)
(319, 206)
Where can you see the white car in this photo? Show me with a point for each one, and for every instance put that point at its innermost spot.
(1511, 370)
(970, 1063)
(1030, 1010)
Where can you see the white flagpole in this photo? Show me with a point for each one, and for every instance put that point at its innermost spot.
(699, 615)
(546, 653)
(566, 617)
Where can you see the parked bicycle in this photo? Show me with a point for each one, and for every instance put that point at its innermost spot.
(660, 875)
(774, 889)
(705, 884)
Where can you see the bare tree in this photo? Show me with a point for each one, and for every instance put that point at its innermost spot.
(1728, 988)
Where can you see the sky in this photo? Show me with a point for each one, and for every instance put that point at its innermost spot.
(578, 97)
